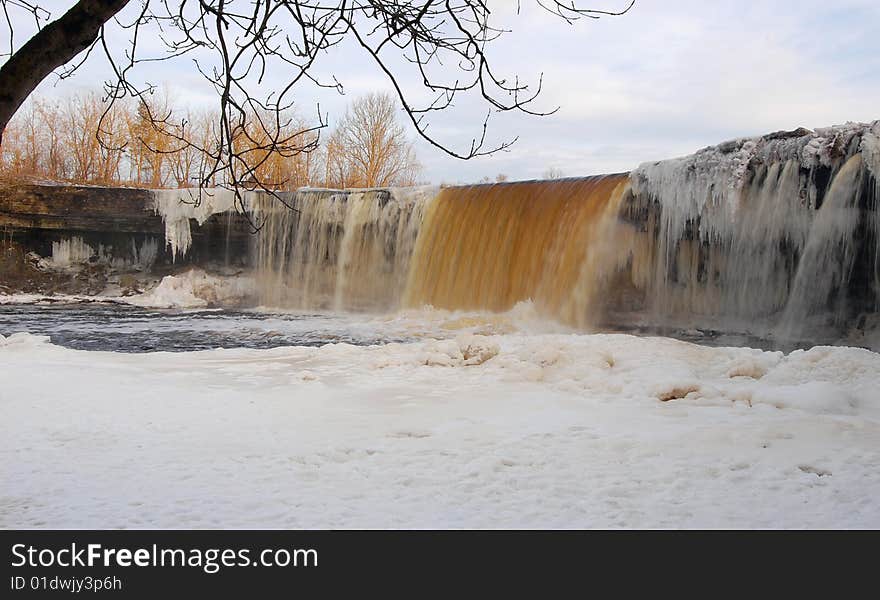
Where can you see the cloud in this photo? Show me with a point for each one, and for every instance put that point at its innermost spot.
(671, 77)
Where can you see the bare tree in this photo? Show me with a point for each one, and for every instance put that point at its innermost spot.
(234, 43)
(270, 168)
(80, 117)
(56, 164)
(552, 173)
(336, 167)
(184, 163)
(152, 147)
(373, 146)
(33, 143)
(21, 153)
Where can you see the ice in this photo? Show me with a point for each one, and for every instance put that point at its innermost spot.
(177, 207)
(22, 341)
(464, 350)
(556, 430)
(74, 251)
(871, 149)
(71, 251)
(760, 232)
(12, 299)
(195, 289)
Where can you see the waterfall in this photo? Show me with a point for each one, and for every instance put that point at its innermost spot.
(777, 235)
(827, 258)
(341, 250)
(487, 247)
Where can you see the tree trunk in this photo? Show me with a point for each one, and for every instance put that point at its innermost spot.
(53, 46)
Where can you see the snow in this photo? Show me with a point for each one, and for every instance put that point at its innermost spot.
(716, 175)
(870, 149)
(511, 430)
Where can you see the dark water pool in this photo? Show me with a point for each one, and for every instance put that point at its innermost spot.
(124, 328)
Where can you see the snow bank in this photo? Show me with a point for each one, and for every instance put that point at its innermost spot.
(195, 289)
(476, 431)
(191, 289)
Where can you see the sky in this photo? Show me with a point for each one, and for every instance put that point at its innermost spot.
(665, 79)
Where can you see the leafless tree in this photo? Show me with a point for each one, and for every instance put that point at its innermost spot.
(235, 43)
(370, 145)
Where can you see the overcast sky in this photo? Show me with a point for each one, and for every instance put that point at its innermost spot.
(663, 80)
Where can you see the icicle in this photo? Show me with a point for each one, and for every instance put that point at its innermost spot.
(177, 207)
(70, 252)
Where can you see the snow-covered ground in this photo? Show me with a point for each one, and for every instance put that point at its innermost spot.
(554, 430)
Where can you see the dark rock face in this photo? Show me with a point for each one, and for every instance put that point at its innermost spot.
(115, 233)
(78, 209)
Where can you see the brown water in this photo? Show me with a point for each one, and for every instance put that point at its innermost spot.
(487, 247)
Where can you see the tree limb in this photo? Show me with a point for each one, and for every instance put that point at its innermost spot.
(53, 46)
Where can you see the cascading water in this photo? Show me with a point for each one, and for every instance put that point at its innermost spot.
(325, 249)
(487, 247)
(827, 258)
